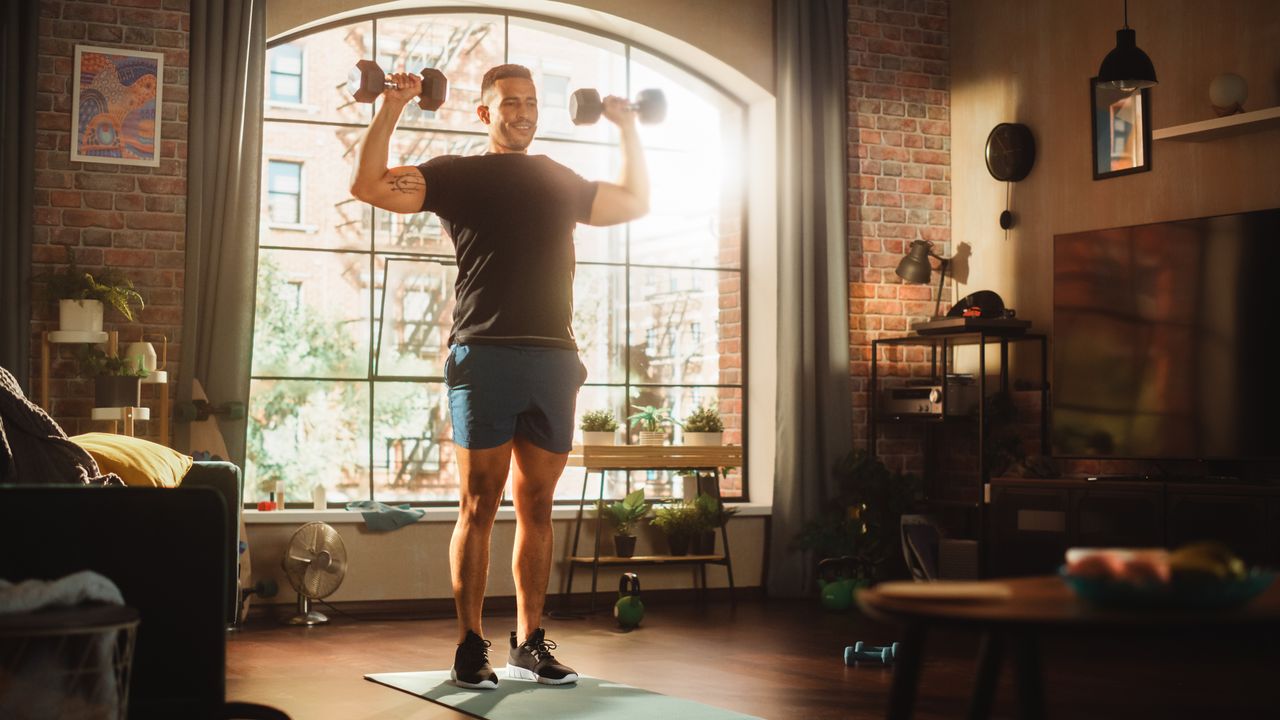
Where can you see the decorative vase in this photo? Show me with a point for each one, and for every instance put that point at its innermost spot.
(599, 437)
(111, 391)
(624, 546)
(653, 437)
(703, 439)
(142, 355)
(704, 543)
(80, 315)
(679, 544)
(1227, 93)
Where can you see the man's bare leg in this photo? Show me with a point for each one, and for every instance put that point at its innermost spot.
(482, 475)
(533, 485)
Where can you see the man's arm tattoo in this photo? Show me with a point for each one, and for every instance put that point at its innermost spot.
(407, 183)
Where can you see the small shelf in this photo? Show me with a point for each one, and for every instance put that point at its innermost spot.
(77, 337)
(117, 413)
(1221, 127)
(649, 559)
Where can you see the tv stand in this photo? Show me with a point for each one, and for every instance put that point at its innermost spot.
(1034, 521)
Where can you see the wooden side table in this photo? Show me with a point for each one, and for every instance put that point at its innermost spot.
(124, 416)
(602, 458)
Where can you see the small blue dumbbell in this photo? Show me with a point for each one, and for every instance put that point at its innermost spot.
(861, 652)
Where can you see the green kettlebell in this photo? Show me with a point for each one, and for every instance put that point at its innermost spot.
(628, 611)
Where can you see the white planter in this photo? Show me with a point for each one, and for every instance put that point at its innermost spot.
(599, 437)
(80, 315)
(653, 437)
(703, 438)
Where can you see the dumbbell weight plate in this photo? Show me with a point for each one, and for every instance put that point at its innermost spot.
(366, 81)
(435, 89)
(651, 106)
(585, 106)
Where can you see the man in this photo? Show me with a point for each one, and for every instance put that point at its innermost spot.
(513, 370)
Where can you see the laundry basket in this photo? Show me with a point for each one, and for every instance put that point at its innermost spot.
(67, 663)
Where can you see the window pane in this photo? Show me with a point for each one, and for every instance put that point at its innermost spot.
(416, 314)
(307, 433)
(312, 315)
(333, 53)
(697, 183)
(283, 208)
(574, 59)
(285, 177)
(286, 88)
(600, 322)
(420, 232)
(413, 455)
(339, 220)
(286, 59)
(682, 401)
(463, 47)
(665, 306)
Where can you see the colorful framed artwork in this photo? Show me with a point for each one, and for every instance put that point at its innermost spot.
(115, 104)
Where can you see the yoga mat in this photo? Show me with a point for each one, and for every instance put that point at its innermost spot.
(588, 699)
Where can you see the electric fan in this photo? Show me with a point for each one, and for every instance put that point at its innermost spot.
(314, 562)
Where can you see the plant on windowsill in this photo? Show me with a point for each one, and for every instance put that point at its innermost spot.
(714, 515)
(116, 380)
(81, 296)
(652, 420)
(680, 522)
(703, 427)
(622, 517)
(599, 427)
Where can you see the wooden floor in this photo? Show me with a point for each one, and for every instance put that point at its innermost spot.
(771, 659)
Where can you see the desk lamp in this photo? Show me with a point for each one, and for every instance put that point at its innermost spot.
(915, 268)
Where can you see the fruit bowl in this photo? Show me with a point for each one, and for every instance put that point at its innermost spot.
(1178, 594)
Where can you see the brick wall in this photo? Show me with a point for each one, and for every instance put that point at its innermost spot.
(121, 216)
(899, 188)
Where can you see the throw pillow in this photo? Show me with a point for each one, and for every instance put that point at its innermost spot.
(140, 463)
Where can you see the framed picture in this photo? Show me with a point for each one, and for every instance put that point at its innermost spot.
(1121, 130)
(115, 106)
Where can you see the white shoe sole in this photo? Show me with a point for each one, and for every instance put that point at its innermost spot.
(519, 673)
(482, 685)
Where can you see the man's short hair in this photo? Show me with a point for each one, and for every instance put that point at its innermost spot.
(502, 72)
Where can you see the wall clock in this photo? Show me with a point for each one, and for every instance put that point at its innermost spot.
(1011, 152)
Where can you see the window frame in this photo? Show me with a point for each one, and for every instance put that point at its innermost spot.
(372, 377)
(302, 83)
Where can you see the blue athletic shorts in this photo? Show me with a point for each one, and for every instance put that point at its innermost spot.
(497, 391)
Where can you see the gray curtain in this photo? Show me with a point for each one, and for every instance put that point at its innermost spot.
(815, 427)
(18, 40)
(224, 157)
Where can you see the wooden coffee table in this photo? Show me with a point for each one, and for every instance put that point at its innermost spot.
(1034, 606)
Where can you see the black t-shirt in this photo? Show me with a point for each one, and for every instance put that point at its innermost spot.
(511, 217)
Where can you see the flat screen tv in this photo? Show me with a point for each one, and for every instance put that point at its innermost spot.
(1163, 340)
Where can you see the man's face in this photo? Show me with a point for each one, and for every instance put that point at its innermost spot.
(511, 114)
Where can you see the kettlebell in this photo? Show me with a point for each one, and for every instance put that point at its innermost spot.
(836, 583)
(628, 611)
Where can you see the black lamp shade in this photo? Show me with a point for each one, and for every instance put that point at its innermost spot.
(915, 268)
(1127, 67)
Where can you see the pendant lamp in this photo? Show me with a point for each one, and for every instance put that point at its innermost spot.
(1126, 67)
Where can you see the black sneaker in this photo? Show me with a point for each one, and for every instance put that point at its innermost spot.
(532, 660)
(471, 664)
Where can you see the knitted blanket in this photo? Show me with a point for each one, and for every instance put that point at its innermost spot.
(34, 449)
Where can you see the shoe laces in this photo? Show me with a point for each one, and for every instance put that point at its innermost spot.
(480, 649)
(541, 649)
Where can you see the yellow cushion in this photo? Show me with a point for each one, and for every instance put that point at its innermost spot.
(140, 463)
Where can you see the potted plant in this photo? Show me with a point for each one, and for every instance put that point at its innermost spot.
(623, 516)
(81, 296)
(679, 521)
(713, 515)
(116, 380)
(703, 426)
(652, 420)
(599, 427)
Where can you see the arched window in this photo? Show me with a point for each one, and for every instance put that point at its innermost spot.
(354, 304)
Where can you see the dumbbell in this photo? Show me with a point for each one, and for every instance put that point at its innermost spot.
(367, 81)
(861, 652)
(586, 107)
